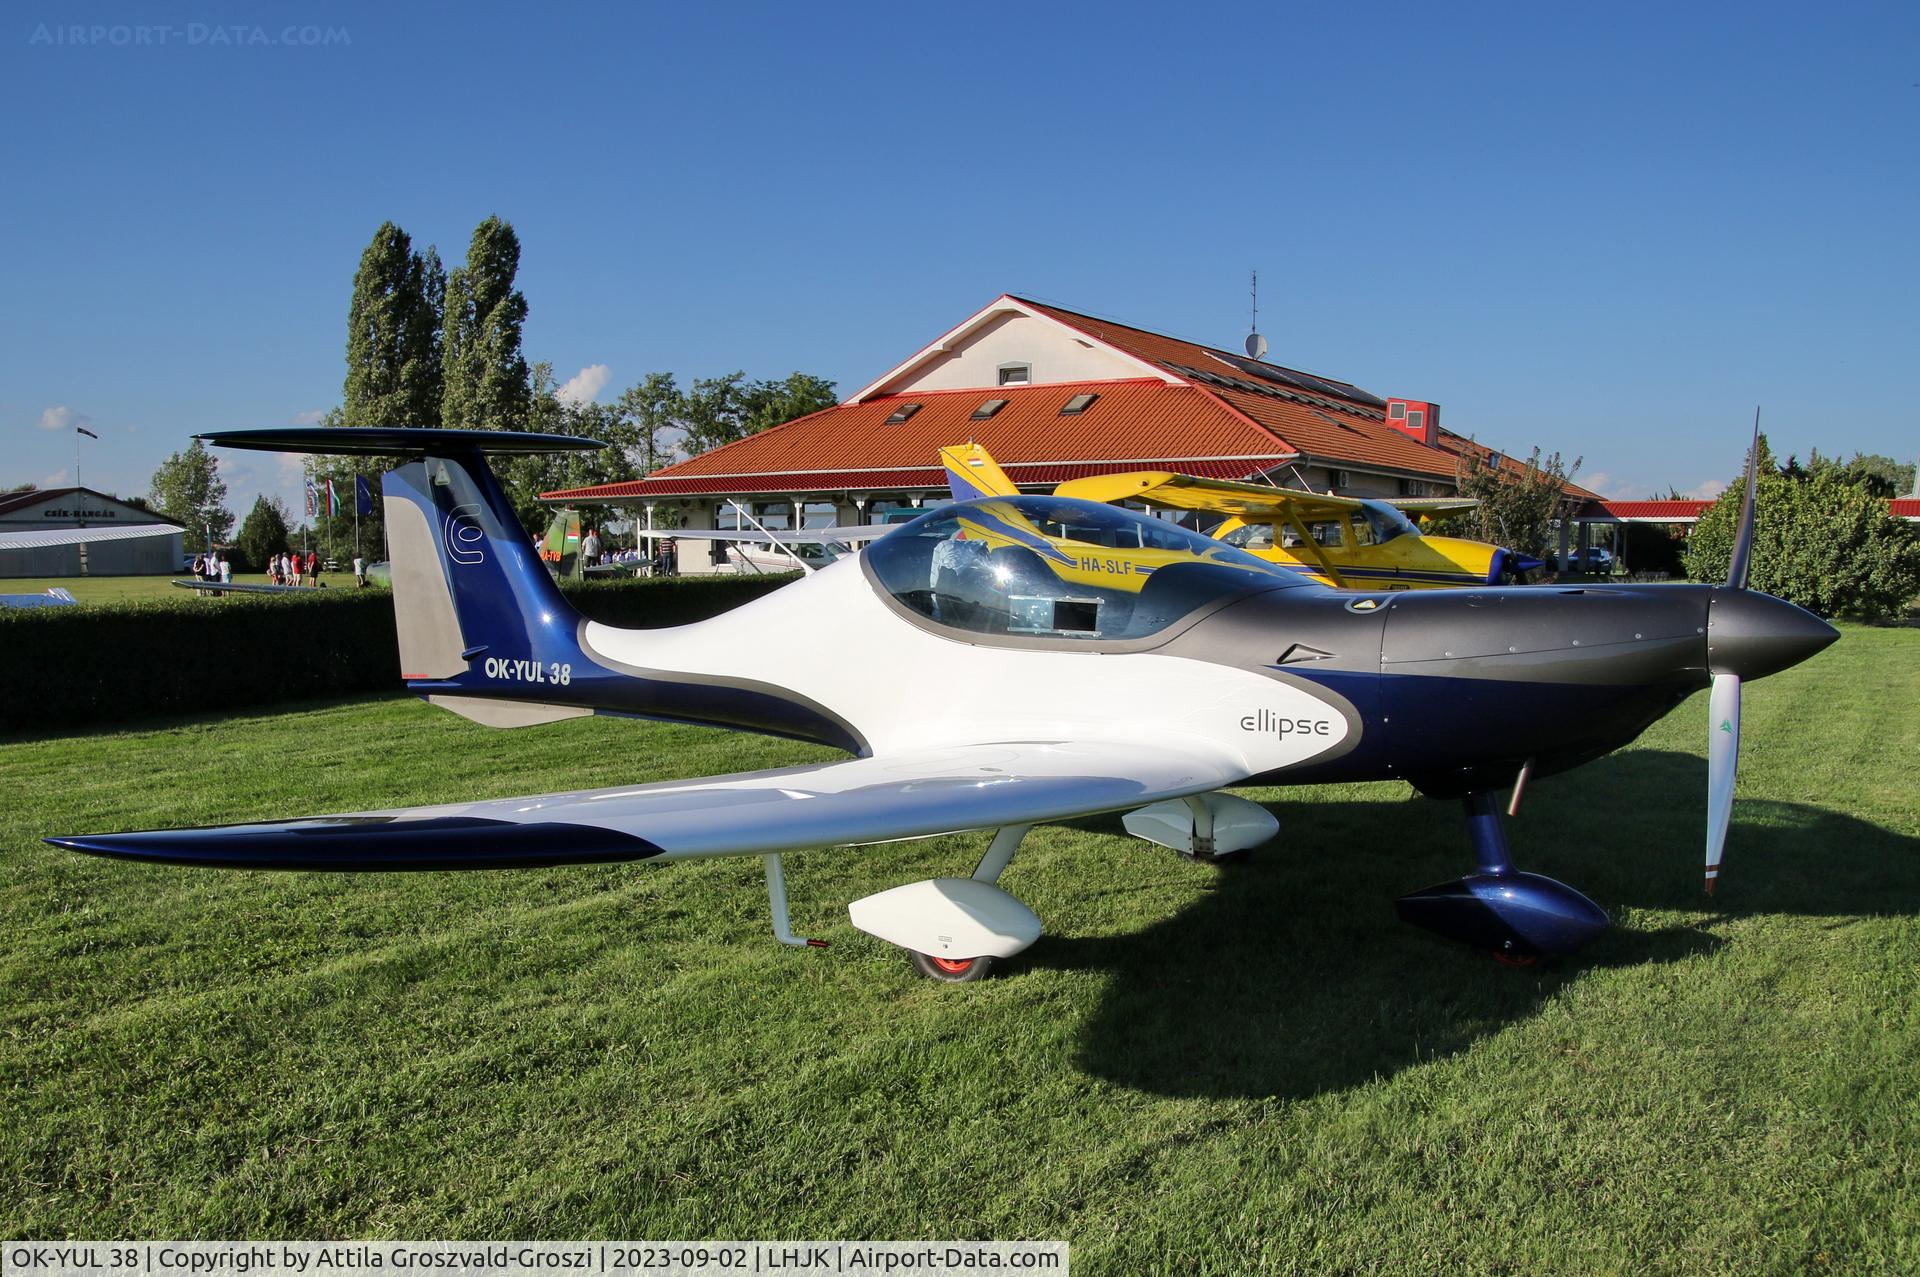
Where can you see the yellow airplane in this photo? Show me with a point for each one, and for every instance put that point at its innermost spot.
(1346, 542)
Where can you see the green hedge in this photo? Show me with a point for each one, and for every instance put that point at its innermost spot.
(115, 662)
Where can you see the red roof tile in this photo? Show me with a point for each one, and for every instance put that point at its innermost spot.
(1650, 511)
(1905, 507)
(1130, 421)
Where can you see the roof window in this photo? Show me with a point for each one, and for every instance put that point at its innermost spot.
(1077, 405)
(988, 408)
(901, 413)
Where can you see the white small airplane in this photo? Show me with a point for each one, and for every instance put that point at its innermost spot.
(1009, 661)
(785, 550)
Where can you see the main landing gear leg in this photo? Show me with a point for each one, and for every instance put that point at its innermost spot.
(777, 898)
(1518, 917)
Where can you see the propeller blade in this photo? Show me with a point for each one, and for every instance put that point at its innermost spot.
(1743, 540)
(1723, 759)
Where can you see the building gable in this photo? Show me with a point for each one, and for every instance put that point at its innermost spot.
(1011, 333)
(46, 507)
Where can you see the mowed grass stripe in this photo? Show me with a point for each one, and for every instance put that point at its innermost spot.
(1196, 1070)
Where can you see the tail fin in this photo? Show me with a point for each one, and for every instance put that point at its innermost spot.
(484, 630)
(480, 619)
(972, 472)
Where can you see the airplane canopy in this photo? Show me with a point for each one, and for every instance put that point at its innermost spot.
(1048, 567)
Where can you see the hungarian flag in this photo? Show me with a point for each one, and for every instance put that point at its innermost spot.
(333, 499)
(88, 433)
(362, 495)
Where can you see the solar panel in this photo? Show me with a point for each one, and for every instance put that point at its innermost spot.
(1304, 380)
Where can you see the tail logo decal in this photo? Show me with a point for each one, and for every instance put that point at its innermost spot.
(463, 535)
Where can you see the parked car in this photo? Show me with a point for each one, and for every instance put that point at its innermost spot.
(1595, 560)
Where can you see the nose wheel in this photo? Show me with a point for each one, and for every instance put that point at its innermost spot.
(951, 970)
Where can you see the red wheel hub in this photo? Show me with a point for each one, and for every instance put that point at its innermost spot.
(952, 966)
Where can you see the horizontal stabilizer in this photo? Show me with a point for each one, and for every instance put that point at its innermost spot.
(394, 441)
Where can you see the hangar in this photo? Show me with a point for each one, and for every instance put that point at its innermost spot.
(80, 532)
(1054, 395)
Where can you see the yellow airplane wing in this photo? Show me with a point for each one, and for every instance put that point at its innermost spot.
(1252, 501)
(1433, 507)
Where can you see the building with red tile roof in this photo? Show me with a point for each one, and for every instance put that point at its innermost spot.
(1057, 395)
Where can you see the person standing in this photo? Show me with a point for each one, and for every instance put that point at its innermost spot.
(226, 570)
(359, 573)
(313, 563)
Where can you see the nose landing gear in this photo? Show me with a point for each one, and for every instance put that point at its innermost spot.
(1517, 917)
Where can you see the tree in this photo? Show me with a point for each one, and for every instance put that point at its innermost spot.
(394, 335)
(526, 477)
(771, 403)
(1518, 508)
(713, 411)
(188, 490)
(651, 410)
(719, 410)
(486, 378)
(262, 533)
(1880, 476)
(1820, 539)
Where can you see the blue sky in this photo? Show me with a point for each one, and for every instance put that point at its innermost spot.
(1609, 230)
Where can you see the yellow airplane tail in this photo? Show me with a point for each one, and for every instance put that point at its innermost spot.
(972, 472)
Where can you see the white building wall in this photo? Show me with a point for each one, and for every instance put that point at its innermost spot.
(1054, 352)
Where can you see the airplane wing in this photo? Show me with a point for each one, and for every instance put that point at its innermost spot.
(864, 800)
(230, 588)
(805, 536)
(1434, 507)
(1253, 501)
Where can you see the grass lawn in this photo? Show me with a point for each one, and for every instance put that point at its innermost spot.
(1197, 1070)
(119, 589)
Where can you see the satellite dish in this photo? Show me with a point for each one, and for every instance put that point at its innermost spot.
(1256, 346)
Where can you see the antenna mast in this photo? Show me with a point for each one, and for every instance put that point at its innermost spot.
(1256, 344)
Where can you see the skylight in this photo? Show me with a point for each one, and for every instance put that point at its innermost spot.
(988, 408)
(901, 413)
(1077, 405)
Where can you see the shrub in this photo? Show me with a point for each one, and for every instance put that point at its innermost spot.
(1824, 543)
(123, 661)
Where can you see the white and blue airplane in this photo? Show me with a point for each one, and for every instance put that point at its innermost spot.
(1009, 661)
